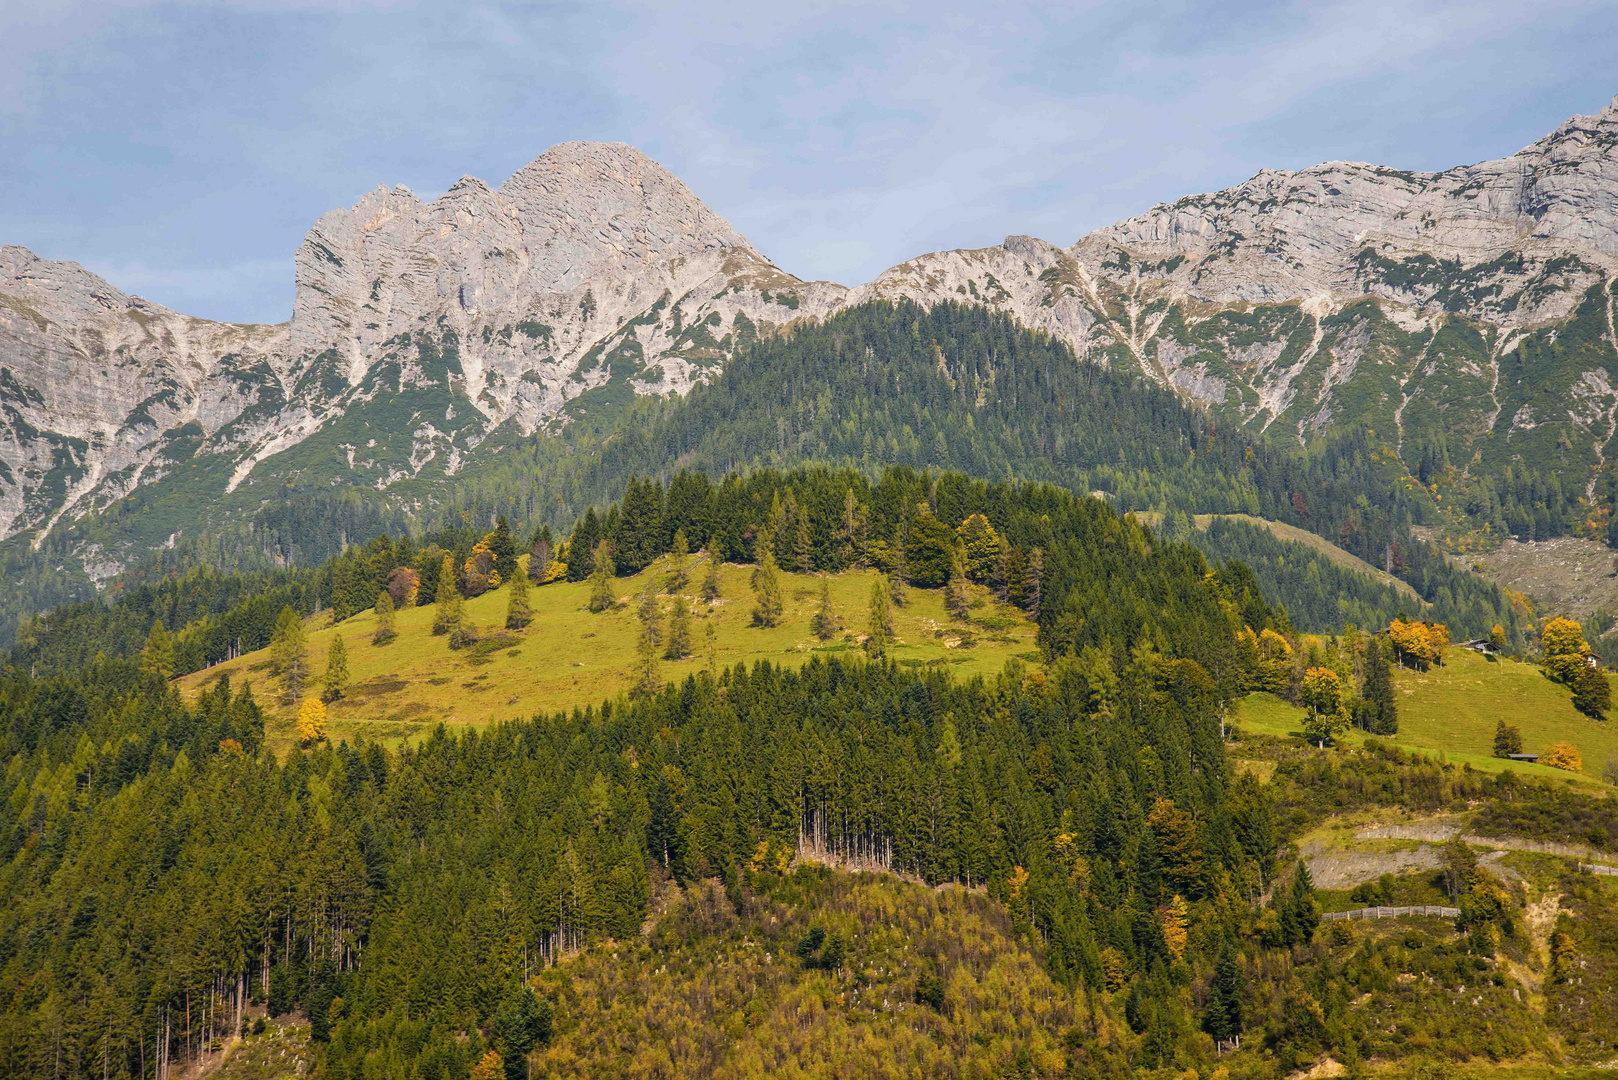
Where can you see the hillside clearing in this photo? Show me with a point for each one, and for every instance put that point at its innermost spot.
(569, 657)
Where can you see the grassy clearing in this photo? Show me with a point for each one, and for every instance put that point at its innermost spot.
(569, 657)
(1453, 709)
(1348, 561)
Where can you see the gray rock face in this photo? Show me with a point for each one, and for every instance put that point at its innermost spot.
(1341, 294)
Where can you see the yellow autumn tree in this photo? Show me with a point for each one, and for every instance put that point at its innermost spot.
(1414, 643)
(312, 720)
(1562, 642)
(1174, 917)
(491, 1066)
(1562, 755)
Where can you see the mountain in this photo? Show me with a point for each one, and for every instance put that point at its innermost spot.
(1463, 318)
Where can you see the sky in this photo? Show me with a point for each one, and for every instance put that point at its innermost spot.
(182, 149)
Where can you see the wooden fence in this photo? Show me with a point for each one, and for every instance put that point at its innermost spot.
(1394, 912)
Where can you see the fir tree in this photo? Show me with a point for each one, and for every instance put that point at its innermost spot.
(679, 636)
(157, 658)
(288, 656)
(385, 631)
(447, 599)
(1000, 577)
(1223, 1016)
(519, 612)
(601, 591)
(767, 591)
(851, 536)
(710, 580)
(336, 677)
(824, 623)
(880, 630)
(678, 552)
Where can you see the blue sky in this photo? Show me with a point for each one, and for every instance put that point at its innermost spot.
(181, 149)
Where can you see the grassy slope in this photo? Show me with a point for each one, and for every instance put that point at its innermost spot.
(1342, 558)
(569, 657)
(1453, 709)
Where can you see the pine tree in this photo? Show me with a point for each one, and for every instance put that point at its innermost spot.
(385, 631)
(678, 552)
(955, 595)
(679, 636)
(1223, 1016)
(336, 677)
(851, 537)
(1000, 578)
(824, 623)
(1033, 583)
(767, 591)
(519, 612)
(312, 720)
(157, 658)
(287, 654)
(601, 591)
(710, 580)
(447, 600)
(880, 631)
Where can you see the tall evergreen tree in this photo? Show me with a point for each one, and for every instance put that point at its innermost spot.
(288, 654)
(157, 658)
(648, 642)
(679, 550)
(711, 590)
(1382, 708)
(582, 546)
(336, 678)
(679, 635)
(1222, 1018)
(766, 590)
(955, 595)
(898, 571)
(519, 612)
(824, 624)
(1033, 584)
(601, 590)
(879, 631)
(446, 600)
(385, 624)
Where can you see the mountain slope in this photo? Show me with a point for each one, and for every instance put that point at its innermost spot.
(1464, 319)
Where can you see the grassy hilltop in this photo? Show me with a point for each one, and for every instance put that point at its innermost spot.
(571, 657)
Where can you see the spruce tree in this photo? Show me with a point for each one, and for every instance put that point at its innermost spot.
(679, 635)
(157, 658)
(601, 591)
(1382, 709)
(287, 654)
(710, 580)
(898, 572)
(824, 623)
(385, 631)
(767, 590)
(1223, 1016)
(336, 677)
(447, 599)
(519, 612)
(1507, 739)
(679, 549)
